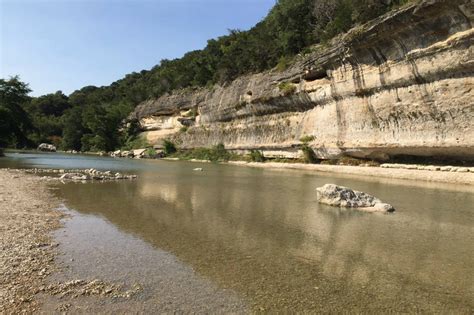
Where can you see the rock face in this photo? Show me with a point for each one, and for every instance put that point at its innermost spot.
(340, 196)
(46, 147)
(401, 84)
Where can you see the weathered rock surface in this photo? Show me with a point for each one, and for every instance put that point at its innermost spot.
(340, 196)
(46, 147)
(401, 84)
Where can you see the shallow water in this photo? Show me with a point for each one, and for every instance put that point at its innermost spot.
(238, 238)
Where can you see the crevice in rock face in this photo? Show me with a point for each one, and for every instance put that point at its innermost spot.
(313, 75)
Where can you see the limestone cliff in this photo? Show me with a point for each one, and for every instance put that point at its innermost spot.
(399, 85)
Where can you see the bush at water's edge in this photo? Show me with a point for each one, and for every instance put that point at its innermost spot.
(1, 152)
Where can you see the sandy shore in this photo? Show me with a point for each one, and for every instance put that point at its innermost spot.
(27, 217)
(389, 173)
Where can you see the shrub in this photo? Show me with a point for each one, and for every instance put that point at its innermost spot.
(135, 143)
(257, 156)
(183, 129)
(287, 88)
(150, 152)
(168, 147)
(219, 153)
(283, 63)
(213, 154)
(308, 154)
(307, 139)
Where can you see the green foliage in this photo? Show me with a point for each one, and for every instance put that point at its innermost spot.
(168, 147)
(307, 139)
(287, 88)
(14, 120)
(217, 153)
(135, 143)
(150, 152)
(283, 63)
(47, 116)
(256, 156)
(308, 154)
(73, 130)
(183, 129)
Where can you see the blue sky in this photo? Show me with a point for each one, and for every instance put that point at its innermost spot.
(67, 44)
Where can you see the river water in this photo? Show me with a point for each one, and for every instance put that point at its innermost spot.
(238, 239)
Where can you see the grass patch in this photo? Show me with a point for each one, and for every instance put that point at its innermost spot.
(256, 156)
(135, 143)
(217, 153)
(287, 88)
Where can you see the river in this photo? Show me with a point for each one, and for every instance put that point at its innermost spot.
(239, 239)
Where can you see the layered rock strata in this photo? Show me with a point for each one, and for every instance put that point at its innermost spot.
(399, 85)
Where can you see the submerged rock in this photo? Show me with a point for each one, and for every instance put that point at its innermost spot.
(341, 196)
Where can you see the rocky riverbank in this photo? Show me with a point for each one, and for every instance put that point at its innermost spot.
(79, 174)
(456, 175)
(28, 216)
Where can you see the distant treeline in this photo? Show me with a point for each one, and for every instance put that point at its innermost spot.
(89, 118)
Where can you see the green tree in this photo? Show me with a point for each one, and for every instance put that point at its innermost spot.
(73, 130)
(14, 121)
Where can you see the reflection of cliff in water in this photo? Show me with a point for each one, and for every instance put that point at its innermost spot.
(263, 234)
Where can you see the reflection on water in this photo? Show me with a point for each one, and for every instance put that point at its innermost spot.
(262, 234)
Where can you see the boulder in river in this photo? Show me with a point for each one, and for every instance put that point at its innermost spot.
(341, 196)
(46, 147)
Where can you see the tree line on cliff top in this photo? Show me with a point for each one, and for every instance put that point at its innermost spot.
(89, 118)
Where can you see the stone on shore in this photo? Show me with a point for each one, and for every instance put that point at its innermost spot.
(46, 147)
(344, 197)
(139, 153)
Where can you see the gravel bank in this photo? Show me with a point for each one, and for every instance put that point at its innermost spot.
(391, 173)
(27, 217)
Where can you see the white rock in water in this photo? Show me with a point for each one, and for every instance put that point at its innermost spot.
(340, 196)
(46, 147)
(198, 169)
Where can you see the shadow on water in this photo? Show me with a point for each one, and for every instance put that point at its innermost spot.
(262, 234)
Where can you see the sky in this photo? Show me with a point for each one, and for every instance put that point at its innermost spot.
(68, 44)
